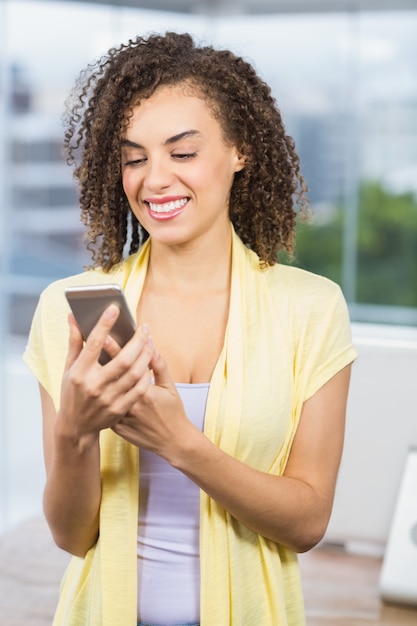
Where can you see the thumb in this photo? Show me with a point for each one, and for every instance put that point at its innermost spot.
(161, 374)
(75, 344)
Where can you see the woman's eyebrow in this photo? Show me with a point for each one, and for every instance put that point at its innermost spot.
(131, 144)
(184, 135)
(167, 142)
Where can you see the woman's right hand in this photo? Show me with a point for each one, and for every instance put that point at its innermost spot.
(95, 396)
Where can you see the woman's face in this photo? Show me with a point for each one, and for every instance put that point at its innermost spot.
(177, 170)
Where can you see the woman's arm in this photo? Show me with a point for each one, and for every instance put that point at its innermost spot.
(93, 397)
(73, 488)
(293, 509)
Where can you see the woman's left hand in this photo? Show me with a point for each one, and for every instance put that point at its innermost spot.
(157, 421)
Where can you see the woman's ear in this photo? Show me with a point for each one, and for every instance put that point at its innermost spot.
(240, 161)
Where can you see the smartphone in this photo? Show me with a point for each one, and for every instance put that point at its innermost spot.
(88, 302)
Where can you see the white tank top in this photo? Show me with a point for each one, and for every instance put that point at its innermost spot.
(168, 531)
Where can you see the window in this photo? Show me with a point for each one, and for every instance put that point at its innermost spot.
(345, 83)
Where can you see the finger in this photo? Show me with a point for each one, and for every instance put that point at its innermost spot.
(160, 369)
(132, 361)
(127, 395)
(98, 336)
(111, 346)
(76, 342)
(144, 383)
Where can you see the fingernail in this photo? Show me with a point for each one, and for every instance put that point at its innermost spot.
(145, 329)
(111, 312)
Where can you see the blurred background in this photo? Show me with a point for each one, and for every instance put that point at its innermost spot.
(345, 77)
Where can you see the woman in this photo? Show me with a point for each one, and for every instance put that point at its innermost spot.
(234, 386)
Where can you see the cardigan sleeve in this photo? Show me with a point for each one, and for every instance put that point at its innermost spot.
(47, 344)
(324, 342)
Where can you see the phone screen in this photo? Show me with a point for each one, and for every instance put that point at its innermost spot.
(89, 302)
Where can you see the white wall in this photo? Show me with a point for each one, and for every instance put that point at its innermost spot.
(381, 425)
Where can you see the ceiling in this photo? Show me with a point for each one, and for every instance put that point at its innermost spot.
(248, 7)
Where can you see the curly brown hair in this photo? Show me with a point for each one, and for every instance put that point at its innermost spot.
(264, 195)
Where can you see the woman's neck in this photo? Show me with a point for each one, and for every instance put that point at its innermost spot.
(201, 265)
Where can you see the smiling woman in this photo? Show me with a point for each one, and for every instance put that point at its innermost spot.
(227, 102)
(356, 135)
(169, 171)
(186, 473)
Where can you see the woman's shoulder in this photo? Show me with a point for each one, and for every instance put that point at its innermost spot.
(93, 276)
(296, 282)
(304, 297)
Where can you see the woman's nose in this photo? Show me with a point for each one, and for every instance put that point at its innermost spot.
(158, 174)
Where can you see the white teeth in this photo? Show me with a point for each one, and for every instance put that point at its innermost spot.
(168, 207)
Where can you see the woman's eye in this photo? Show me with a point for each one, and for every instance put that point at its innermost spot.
(180, 156)
(134, 162)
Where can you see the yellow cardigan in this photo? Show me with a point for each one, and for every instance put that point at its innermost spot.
(288, 333)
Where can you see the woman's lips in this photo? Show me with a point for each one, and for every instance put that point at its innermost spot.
(166, 209)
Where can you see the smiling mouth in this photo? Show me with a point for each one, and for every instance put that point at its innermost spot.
(167, 207)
